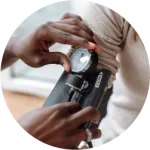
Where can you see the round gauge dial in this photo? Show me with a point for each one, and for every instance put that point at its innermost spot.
(80, 60)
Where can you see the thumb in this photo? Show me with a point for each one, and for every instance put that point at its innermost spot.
(57, 58)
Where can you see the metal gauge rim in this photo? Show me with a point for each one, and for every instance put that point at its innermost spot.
(76, 65)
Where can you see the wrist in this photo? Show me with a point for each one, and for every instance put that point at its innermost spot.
(12, 47)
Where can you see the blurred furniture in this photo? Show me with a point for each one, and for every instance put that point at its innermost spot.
(19, 103)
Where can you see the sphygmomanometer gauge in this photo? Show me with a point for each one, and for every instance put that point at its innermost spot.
(83, 60)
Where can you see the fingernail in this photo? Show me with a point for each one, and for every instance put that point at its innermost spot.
(95, 121)
(92, 45)
(66, 67)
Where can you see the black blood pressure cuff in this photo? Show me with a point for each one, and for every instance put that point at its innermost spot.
(70, 88)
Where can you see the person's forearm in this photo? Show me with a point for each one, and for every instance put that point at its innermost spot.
(9, 57)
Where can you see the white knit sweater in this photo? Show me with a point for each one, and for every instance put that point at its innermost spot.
(116, 39)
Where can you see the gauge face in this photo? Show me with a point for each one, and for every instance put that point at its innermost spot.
(80, 60)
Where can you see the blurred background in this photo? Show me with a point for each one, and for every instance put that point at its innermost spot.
(39, 81)
(25, 88)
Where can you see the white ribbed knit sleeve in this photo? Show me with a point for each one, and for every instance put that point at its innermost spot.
(116, 36)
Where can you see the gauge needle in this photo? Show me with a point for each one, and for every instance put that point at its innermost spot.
(84, 59)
